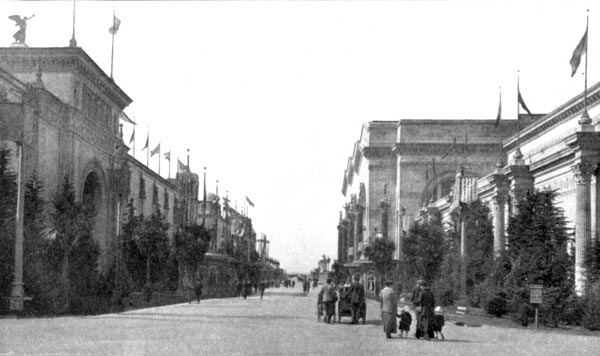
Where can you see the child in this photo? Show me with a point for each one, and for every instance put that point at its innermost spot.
(437, 323)
(404, 323)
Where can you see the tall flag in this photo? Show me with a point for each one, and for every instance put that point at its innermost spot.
(181, 168)
(147, 142)
(168, 158)
(249, 201)
(522, 103)
(115, 27)
(449, 148)
(578, 52)
(155, 150)
(113, 31)
(132, 136)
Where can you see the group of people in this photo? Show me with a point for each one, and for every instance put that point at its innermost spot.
(423, 302)
(422, 299)
(328, 296)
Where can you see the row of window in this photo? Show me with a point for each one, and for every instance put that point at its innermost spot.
(155, 194)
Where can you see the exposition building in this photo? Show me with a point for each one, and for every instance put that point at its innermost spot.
(65, 113)
(405, 170)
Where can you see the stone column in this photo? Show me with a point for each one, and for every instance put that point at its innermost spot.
(596, 234)
(499, 242)
(341, 240)
(583, 217)
(521, 181)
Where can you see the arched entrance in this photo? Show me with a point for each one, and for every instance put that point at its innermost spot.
(93, 195)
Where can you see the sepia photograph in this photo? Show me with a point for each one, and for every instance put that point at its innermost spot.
(299, 177)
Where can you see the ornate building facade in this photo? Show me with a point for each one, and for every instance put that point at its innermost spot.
(559, 151)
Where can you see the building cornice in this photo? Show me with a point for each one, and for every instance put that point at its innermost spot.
(559, 115)
(377, 151)
(438, 149)
(63, 59)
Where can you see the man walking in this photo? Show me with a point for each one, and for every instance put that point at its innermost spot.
(427, 304)
(414, 299)
(198, 291)
(389, 309)
(329, 298)
(356, 294)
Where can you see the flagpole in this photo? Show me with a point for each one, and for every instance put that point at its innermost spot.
(112, 51)
(500, 160)
(169, 162)
(204, 200)
(73, 42)
(159, 158)
(148, 149)
(585, 116)
(518, 154)
(133, 141)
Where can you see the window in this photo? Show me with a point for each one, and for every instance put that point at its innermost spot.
(142, 188)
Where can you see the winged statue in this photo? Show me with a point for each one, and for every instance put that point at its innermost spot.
(19, 36)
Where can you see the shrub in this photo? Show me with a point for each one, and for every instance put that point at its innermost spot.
(524, 312)
(573, 312)
(496, 305)
(591, 307)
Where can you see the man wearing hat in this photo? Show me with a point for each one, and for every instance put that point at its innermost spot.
(389, 309)
(329, 297)
(356, 294)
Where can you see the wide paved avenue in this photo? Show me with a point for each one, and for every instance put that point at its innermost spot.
(283, 323)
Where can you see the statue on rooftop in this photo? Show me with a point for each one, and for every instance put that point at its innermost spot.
(19, 36)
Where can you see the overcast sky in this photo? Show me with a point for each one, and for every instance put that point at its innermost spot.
(270, 96)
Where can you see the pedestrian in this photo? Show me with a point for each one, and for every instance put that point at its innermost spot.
(246, 288)
(329, 297)
(389, 309)
(414, 299)
(427, 304)
(405, 321)
(356, 295)
(198, 291)
(262, 287)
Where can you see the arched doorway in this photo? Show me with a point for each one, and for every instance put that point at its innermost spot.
(93, 196)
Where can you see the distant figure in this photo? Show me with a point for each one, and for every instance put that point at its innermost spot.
(414, 299)
(198, 291)
(329, 297)
(19, 36)
(262, 287)
(405, 321)
(389, 309)
(427, 303)
(356, 295)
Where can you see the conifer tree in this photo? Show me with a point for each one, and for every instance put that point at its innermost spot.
(8, 201)
(538, 241)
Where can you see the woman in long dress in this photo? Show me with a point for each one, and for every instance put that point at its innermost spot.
(389, 309)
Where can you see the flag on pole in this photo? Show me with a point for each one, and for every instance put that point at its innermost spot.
(126, 118)
(578, 52)
(155, 150)
(168, 156)
(147, 142)
(181, 167)
(522, 103)
(449, 148)
(499, 116)
(115, 27)
(132, 136)
(249, 201)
